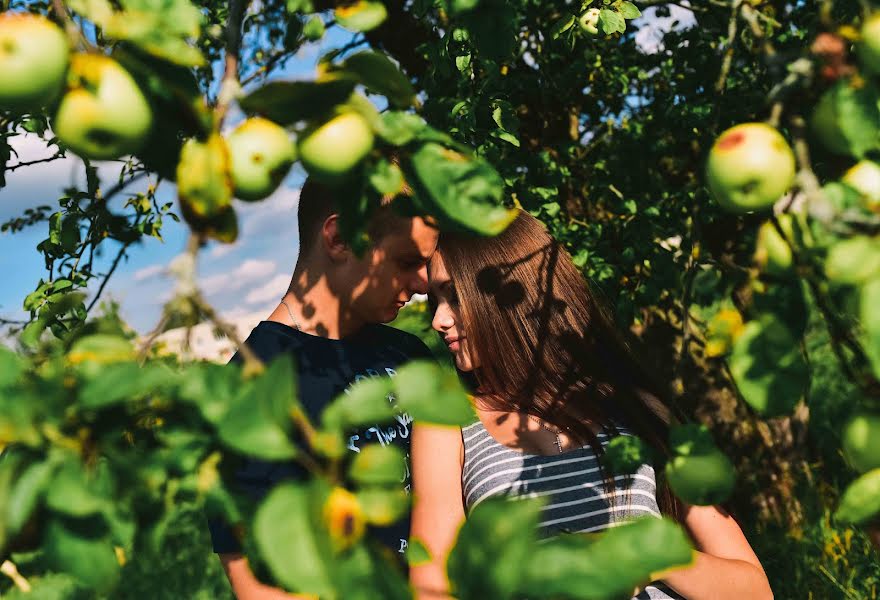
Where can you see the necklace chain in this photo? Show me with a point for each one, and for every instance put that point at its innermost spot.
(292, 318)
(544, 426)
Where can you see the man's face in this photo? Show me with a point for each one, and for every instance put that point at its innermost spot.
(392, 271)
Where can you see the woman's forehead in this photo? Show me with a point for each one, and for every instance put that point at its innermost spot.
(437, 268)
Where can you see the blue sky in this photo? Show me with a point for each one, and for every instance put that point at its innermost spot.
(246, 277)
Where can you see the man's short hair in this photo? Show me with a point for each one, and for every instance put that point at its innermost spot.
(317, 202)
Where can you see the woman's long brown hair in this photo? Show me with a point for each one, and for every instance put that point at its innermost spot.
(546, 345)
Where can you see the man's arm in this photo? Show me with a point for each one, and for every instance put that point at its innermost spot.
(247, 587)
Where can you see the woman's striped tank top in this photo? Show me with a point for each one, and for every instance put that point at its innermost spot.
(571, 482)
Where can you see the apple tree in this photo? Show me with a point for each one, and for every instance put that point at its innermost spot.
(720, 187)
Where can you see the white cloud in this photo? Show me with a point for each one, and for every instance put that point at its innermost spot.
(250, 270)
(652, 28)
(148, 272)
(273, 289)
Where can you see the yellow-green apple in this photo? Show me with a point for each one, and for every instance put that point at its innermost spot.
(750, 167)
(34, 55)
(103, 114)
(262, 154)
(869, 45)
(589, 21)
(861, 441)
(330, 150)
(864, 177)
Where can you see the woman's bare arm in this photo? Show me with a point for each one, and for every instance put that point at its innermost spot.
(436, 455)
(726, 567)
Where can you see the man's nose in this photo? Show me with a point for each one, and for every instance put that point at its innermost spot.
(419, 284)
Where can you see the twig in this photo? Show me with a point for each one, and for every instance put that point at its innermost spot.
(151, 338)
(251, 360)
(28, 163)
(107, 277)
(728, 52)
(73, 32)
(230, 85)
(8, 568)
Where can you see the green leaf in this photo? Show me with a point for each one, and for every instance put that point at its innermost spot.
(847, 119)
(869, 301)
(259, 422)
(125, 381)
(853, 261)
(861, 499)
(464, 191)
(378, 465)
(768, 367)
(417, 553)
(380, 75)
(383, 506)
(212, 388)
(626, 453)
(432, 394)
(386, 178)
(691, 438)
(362, 15)
(457, 7)
(366, 402)
(12, 366)
(89, 354)
(561, 26)
(611, 21)
(27, 491)
(629, 10)
(82, 548)
(72, 492)
(290, 543)
(287, 102)
(314, 29)
(493, 546)
(605, 566)
(400, 128)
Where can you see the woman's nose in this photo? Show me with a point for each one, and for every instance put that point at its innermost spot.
(442, 319)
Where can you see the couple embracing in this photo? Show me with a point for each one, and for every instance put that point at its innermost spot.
(552, 383)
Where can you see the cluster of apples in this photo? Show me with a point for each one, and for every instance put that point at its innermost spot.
(99, 112)
(98, 109)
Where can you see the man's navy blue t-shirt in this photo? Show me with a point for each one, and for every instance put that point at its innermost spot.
(325, 368)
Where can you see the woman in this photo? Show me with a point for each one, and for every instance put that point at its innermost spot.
(552, 384)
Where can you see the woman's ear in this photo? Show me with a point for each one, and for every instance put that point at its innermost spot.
(336, 247)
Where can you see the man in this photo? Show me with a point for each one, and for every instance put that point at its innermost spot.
(330, 323)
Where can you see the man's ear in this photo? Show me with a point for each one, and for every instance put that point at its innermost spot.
(332, 240)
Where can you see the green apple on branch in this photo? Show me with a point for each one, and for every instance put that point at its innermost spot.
(861, 441)
(34, 56)
(589, 21)
(261, 153)
(750, 167)
(330, 150)
(103, 115)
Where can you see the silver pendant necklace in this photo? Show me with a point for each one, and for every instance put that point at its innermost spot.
(555, 432)
(292, 318)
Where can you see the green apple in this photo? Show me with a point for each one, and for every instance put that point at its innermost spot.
(750, 167)
(772, 252)
(330, 150)
(853, 261)
(262, 154)
(869, 46)
(589, 21)
(864, 177)
(701, 479)
(33, 59)
(861, 441)
(104, 114)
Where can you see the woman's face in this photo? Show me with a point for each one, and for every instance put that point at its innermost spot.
(447, 315)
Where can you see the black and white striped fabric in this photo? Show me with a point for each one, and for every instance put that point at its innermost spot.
(571, 483)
